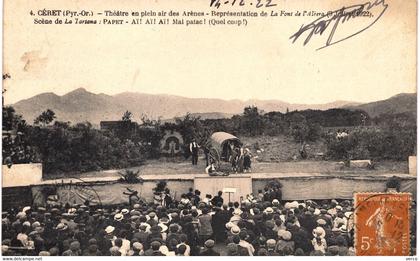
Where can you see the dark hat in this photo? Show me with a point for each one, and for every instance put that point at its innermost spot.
(209, 243)
(155, 229)
(75, 246)
(232, 248)
(333, 250)
(155, 244)
(262, 252)
(270, 224)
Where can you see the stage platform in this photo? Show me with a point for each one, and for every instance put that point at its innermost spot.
(108, 189)
(296, 186)
(252, 175)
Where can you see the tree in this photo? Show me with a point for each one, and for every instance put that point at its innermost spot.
(252, 123)
(127, 116)
(11, 120)
(302, 130)
(45, 118)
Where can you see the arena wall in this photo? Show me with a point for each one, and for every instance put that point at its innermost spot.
(327, 187)
(107, 193)
(19, 175)
(294, 188)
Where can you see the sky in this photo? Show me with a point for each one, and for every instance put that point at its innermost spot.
(257, 61)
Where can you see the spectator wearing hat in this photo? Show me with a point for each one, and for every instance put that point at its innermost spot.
(154, 249)
(180, 250)
(118, 243)
(232, 249)
(105, 240)
(114, 251)
(340, 220)
(205, 229)
(44, 253)
(142, 235)
(233, 230)
(268, 230)
(173, 233)
(209, 251)
(155, 234)
(259, 242)
(74, 249)
(271, 248)
(307, 221)
(342, 246)
(216, 200)
(183, 242)
(92, 249)
(318, 242)
(324, 215)
(284, 241)
(332, 211)
(302, 240)
(218, 224)
(245, 244)
(165, 251)
(137, 249)
(54, 251)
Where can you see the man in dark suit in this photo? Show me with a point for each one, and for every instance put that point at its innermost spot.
(194, 151)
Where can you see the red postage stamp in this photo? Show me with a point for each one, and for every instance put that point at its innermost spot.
(382, 225)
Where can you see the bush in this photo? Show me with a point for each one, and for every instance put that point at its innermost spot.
(81, 148)
(130, 176)
(393, 183)
(373, 143)
(304, 131)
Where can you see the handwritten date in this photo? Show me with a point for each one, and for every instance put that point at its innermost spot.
(256, 3)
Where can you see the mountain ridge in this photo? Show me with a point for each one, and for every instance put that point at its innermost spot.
(80, 105)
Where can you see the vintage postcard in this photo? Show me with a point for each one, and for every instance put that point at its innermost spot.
(209, 128)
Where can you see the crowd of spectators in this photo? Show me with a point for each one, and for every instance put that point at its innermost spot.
(260, 225)
(15, 151)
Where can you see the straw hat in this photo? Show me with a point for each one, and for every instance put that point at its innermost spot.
(235, 230)
(118, 217)
(284, 234)
(61, 227)
(318, 232)
(109, 229)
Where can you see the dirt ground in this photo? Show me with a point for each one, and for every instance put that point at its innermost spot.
(182, 166)
(281, 148)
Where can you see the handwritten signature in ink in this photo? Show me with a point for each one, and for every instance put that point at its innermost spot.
(333, 19)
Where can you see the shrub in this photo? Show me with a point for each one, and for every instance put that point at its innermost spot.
(160, 186)
(373, 143)
(130, 176)
(394, 183)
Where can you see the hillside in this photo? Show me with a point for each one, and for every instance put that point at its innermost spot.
(81, 105)
(401, 103)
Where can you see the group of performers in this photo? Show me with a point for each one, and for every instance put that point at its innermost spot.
(238, 157)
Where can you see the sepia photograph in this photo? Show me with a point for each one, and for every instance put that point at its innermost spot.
(209, 128)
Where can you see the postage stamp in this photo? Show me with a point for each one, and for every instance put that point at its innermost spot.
(381, 224)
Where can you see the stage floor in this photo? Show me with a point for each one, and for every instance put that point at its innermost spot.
(165, 169)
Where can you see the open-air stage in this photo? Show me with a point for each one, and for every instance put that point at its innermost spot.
(296, 186)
